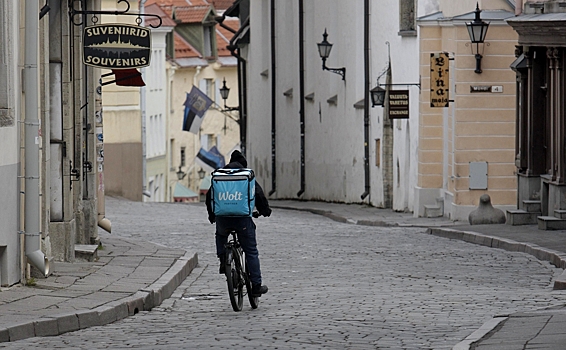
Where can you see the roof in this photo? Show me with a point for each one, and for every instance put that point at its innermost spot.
(539, 18)
(221, 5)
(223, 36)
(192, 14)
(183, 49)
(183, 192)
(154, 9)
(177, 2)
(486, 15)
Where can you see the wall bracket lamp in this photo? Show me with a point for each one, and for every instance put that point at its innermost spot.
(180, 174)
(324, 48)
(477, 31)
(224, 92)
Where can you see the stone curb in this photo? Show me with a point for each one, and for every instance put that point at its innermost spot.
(556, 258)
(479, 333)
(143, 300)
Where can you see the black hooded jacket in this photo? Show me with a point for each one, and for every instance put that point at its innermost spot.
(237, 161)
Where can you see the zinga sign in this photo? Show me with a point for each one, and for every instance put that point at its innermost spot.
(116, 46)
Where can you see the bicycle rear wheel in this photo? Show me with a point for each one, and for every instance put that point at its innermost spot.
(235, 284)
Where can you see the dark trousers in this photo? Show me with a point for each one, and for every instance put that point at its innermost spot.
(245, 229)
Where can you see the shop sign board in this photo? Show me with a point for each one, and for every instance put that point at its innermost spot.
(398, 104)
(116, 46)
(439, 79)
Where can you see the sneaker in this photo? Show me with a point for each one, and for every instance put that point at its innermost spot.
(258, 290)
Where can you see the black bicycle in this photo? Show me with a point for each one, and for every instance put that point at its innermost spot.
(237, 274)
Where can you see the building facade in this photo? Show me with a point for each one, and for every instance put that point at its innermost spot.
(466, 145)
(539, 150)
(49, 182)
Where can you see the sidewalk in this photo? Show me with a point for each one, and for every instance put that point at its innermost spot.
(129, 276)
(540, 329)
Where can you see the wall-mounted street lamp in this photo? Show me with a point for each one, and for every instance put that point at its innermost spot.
(180, 174)
(201, 173)
(477, 30)
(324, 48)
(224, 92)
(377, 96)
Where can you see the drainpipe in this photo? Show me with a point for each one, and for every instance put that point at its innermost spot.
(366, 100)
(32, 141)
(273, 105)
(145, 192)
(302, 92)
(242, 83)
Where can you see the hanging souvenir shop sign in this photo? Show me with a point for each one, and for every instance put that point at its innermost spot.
(116, 46)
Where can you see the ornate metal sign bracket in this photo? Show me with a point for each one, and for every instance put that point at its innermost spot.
(73, 12)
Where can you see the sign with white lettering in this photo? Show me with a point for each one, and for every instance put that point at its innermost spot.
(439, 80)
(398, 104)
(116, 46)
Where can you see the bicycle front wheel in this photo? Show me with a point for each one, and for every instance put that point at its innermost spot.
(235, 285)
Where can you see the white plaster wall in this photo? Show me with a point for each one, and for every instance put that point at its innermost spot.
(334, 134)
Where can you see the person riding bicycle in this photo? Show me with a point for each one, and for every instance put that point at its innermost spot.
(244, 226)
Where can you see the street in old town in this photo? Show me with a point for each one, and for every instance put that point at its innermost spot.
(331, 285)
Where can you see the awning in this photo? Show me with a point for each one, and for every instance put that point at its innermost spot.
(124, 77)
(181, 191)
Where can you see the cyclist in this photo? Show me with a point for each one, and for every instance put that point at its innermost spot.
(244, 226)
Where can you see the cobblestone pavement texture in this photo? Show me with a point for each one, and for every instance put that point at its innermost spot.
(332, 285)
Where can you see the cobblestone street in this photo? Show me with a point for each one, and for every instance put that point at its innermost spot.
(331, 285)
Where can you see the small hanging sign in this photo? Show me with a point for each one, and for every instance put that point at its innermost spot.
(399, 104)
(116, 46)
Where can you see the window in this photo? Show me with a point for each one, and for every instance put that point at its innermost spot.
(210, 89)
(208, 141)
(407, 17)
(182, 163)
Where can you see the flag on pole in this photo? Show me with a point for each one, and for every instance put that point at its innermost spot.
(210, 160)
(196, 104)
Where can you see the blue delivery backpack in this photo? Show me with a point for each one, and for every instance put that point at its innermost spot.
(233, 192)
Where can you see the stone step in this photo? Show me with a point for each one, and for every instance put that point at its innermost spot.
(532, 206)
(551, 223)
(560, 213)
(432, 211)
(86, 252)
(521, 217)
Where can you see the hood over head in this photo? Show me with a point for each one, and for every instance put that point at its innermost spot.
(237, 156)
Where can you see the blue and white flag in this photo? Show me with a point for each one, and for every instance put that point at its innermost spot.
(196, 104)
(210, 160)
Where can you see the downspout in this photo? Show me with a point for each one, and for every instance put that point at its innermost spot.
(366, 100)
(302, 92)
(142, 107)
(273, 105)
(102, 221)
(32, 141)
(242, 83)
